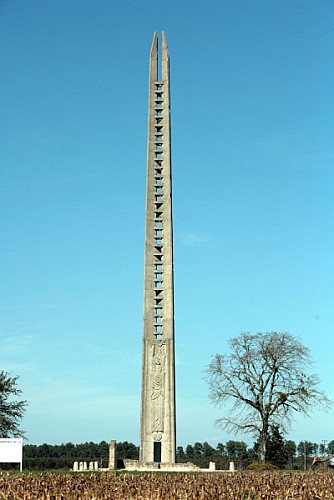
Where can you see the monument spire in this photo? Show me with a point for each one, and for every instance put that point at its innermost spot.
(157, 426)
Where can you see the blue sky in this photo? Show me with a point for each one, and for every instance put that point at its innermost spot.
(252, 138)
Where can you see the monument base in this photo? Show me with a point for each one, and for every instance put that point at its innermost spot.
(157, 466)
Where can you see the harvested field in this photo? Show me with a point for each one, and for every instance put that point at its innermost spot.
(222, 486)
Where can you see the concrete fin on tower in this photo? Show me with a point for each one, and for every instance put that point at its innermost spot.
(154, 62)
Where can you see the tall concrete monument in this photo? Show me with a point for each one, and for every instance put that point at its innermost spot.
(157, 426)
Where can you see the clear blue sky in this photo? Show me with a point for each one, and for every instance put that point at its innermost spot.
(253, 153)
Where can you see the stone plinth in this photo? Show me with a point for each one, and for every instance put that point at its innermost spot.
(112, 455)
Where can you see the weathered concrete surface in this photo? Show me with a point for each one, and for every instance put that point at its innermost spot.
(112, 455)
(157, 426)
(181, 467)
(134, 465)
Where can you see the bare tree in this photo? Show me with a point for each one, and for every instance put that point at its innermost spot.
(11, 410)
(263, 381)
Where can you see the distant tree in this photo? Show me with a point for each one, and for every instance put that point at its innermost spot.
(30, 451)
(306, 448)
(264, 378)
(83, 451)
(322, 448)
(291, 450)
(241, 449)
(220, 449)
(198, 449)
(180, 455)
(11, 409)
(330, 448)
(276, 448)
(127, 450)
(236, 449)
(231, 448)
(70, 450)
(189, 452)
(208, 451)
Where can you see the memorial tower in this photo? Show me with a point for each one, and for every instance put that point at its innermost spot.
(157, 425)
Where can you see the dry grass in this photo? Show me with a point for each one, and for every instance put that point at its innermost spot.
(222, 486)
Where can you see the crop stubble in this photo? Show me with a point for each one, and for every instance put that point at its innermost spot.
(153, 486)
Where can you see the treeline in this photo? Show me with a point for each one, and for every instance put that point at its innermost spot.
(48, 456)
(283, 453)
(280, 452)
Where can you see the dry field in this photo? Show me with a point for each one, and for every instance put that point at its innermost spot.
(217, 486)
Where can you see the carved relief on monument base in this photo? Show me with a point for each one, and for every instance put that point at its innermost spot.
(158, 360)
(157, 436)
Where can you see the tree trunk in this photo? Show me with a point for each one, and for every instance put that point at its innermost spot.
(262, 452)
